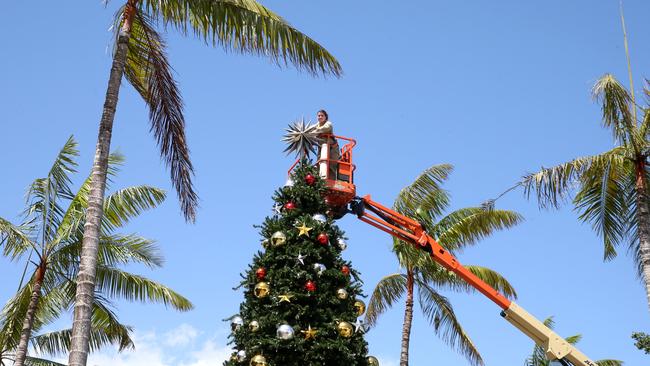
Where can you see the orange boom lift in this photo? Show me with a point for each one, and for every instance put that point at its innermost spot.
(341, 198)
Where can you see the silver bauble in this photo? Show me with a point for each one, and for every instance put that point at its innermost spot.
(319, 268)
(289, 182)
(236, 322)
(241, 356)
(342, 244)
(320, 218)
(278, 238)
(254, 326)
(342, 293)
(285, 331)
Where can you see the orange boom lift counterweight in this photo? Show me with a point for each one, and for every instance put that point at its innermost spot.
(342, 199)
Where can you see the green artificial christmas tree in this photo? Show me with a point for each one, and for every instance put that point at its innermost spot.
(302, 301)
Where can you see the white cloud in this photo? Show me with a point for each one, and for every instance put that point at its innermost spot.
(174, 348)
(181, 336)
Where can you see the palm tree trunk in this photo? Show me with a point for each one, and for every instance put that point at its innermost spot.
(25, 334)
(84, 298)
(408, 320)
(643, 223)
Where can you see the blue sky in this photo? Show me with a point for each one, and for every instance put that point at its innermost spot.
(495, 88)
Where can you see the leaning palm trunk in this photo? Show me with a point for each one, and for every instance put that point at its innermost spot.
(408, 320)
(79, 346)
(643, 224)
(25, 334)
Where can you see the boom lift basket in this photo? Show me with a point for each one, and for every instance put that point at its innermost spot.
(337, 173)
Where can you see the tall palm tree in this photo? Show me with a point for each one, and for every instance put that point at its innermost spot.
(426, 201)
(241, 25)
(611, 188)
(53, 233)
(538, 357)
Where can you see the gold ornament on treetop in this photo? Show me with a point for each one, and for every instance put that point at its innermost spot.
(278, 238)
(258, 360)
(345, 329)
(262, 289)
(360, 307)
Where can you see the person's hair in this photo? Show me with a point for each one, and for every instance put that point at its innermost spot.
(325, 113)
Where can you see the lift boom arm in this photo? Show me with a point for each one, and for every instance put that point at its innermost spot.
(409, 230)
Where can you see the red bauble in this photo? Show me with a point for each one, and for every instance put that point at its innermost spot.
(310, 286)
(345, 270)
(323, 238)
(260, 273)
(310, 179)
(289, 205)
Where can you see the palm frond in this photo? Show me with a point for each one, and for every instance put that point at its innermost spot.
(389, 290)
(644, 128)
(75, 215)
(44, 193)
(617, 107)
(35, 361)
(14, 240)
(574, 339)
(57, 343)
(120, 284)
(552, 186)
(113, 250)
(494, 279)
(440, 314)
(148, 70)
(245, 26)
(469, 225)
(603, 201)
(125, 249)
(121, 206)
(425, 196)
(609, 363)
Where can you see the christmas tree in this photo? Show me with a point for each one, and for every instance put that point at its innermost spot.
(301, 299)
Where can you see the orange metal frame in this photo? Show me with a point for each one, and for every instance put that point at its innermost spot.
(341, 191)
(409, 230)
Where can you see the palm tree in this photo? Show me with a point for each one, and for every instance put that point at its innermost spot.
(425, 200)
(241, 25)
(54, 235)
(538, 357)
(611, 188)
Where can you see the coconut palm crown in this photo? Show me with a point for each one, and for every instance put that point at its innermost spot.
(609, 190)
(52, 233)
(426, 201)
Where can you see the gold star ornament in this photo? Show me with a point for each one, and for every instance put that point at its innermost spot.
(285, 298)
(310, 333)
(304, 229)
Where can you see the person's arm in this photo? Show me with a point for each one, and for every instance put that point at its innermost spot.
(326, 128)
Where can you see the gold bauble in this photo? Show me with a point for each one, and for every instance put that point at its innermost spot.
(342, 294)
(278, 238)
(258, 360)
(345, 329)
(262, 289)
(254, 326)
(360, 307)
(373, 361)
